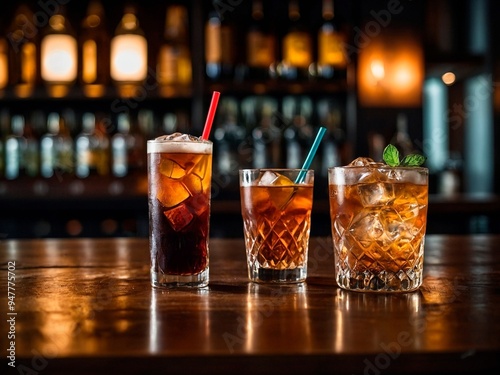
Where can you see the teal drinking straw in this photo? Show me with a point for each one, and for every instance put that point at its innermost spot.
(310, 156)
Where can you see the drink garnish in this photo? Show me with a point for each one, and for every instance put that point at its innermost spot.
(391, 158)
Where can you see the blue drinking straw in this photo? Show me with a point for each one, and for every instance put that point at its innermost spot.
(310, 156)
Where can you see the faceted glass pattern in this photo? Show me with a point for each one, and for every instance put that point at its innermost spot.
(378, 227)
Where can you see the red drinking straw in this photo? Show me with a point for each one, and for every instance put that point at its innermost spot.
(210, 116)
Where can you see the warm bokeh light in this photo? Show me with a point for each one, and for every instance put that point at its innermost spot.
(128, 58)
(391, 71)
(377, 70)
(449, 78)
(59, 58)
(4, 72)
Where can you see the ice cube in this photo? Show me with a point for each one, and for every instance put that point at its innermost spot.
(376, 194)
(193, 184)
(178, 137)
(172, 193)
(361, 162)
(283, 181)
(392, 222)
(199, 203)
(407, 207)
(200, 169)
(366, 227)
(179, 217)
(274, 179)
(268, 178)
(169, 168)
(260, 200)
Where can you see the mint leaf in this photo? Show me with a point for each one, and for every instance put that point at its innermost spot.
(413, 160)
(391, 156)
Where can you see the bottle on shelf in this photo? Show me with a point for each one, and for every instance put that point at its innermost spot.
(14, 145)
(332, 57)
(450, 178)
(21, 150)
(23, 62)
(94, 51)
(298, 134)
(91, 148)
(4, 65)
(126, 147)
(56, 149)
(172, 122)
(401, 138)
(260, 45)
(220, 48)
(59, 55)
(174, 71)
(228, 137)
(4, 130)
(297, 47)
(330, 116)
(266, 136)
(129, 54)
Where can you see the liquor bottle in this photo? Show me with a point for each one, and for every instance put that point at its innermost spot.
(260, 45)
(129, 54)
(330, 116)
(126, 147)
(56, 148)
(59, 55)
(21, 150)
(299, 132)
(220, 48)
(4, 129)
(173, 69)
(14, 145)
(332, 60)
(94, 51)
(228, 137)
(92, 148)
(266, 137)
(31, 152)
(22, 37)
(297, 47)
(401, 139)
(4, 65)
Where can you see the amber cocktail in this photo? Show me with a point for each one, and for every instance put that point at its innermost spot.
(179, 175)
(378, 218)
(277, 219)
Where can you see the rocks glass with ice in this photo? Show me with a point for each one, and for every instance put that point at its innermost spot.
(378, 217)
(276, 215)
(179, 179)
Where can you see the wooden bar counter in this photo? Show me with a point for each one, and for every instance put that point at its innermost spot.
(85, 306)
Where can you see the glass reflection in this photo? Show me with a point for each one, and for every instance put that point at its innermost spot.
(180, 330)
(272, 310)
(390, 318)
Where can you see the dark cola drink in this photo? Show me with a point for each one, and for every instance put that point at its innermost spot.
(179, 176)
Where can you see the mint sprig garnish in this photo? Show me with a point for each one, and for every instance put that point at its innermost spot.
(391, 158)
